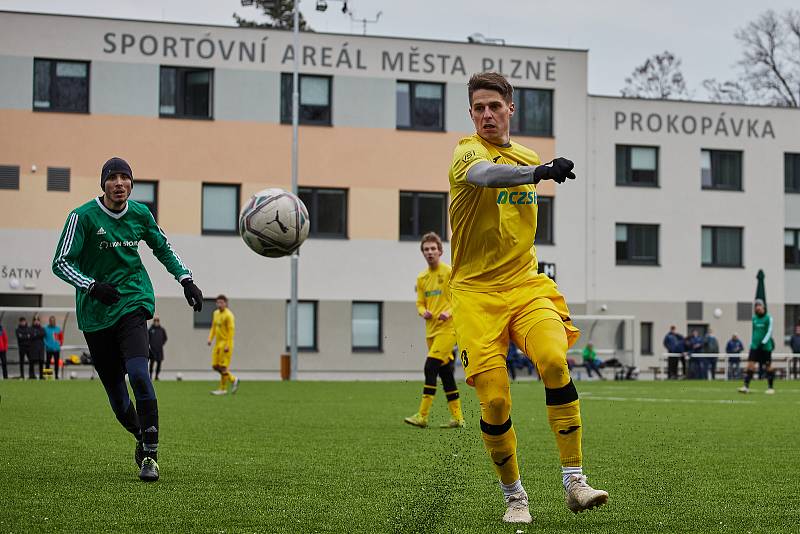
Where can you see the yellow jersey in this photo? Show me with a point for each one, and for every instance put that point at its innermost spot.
(433, 294)
(222, 327)
(493, 228)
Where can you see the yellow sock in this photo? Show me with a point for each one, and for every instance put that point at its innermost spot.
(565, 420)
(223, 381)
(425, 405)
(499, 437)
(231, 377)
(502, 450)
(454, 405)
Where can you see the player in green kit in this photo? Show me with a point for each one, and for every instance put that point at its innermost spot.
(98, 255)
(761, 347)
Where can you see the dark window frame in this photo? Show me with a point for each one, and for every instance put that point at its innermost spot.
(53, 67)
(301, 348)
(415, 222)
(791, 172)
(714, 262)
(795, 262)
(180, 93)
(548, 239)
(642, 263)
(154, 208)
(286, 101)
(313, 209)
(646, 348)
(235, 230)
(519, 112)
(716, 186)
(624, 175)
(379, 347)
(51, 176)
(411, 107)
(12, 173)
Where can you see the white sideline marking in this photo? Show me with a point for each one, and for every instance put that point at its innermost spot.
(651, 399)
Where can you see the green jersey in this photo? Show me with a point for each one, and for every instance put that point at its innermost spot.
(762, 333)
(100, 245)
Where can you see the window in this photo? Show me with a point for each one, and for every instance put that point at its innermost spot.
(367, 330)
(544, 223)
(694, 310)
(533, 112)
(203, 318)
(306, 325)
(721, 169)
(420, 106)
(58, 178)
(220, 209)
(421, 213)
(315, 99)
(637, 244)
(60, 85)
(20, 300)
(327, 211)
(185, 92)
(791, 320)
(646, 338)
(744, 311)
(791, 247)
(791, 172)
(9, 176)
(147, 193)
(721, 246)
(637, 165)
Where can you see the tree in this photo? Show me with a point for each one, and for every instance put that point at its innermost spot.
(659, 77)
(770, 64)
(279, 13)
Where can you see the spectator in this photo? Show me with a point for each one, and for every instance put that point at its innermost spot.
(673, 343)
(23, 334)
(710, 346)
(158, 338)
(36, 354)
(52, 345)
(734, 346)
(590, 361)
(794, 342)
(515, 359)
(693, 345)
(3, 350)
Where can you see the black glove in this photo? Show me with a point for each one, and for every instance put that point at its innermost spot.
(557, 170)
(105, 293)
(193, 294)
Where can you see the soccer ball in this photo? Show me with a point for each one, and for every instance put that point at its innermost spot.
(274, 223)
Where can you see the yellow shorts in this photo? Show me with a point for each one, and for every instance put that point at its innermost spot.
(441, 347)
(486, 322)
(220, 358)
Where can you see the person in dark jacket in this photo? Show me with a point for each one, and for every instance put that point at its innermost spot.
(693, 344)
(3, 349)
(734, 346)
(794, 342)
(158, 338)
(36, 354)
(673, 342)
(23, 333)
(710, 346)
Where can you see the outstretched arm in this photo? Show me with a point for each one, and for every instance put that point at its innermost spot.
(486, 174)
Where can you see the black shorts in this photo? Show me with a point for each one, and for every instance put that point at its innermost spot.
(760, 356)
(126, 339)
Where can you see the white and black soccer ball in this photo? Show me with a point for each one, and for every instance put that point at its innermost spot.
(274, 223)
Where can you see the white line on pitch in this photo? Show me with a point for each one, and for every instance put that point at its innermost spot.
(650, 399)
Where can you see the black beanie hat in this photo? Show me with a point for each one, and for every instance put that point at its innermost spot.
(112, 167)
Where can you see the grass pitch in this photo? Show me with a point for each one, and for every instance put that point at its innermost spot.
(336, 457)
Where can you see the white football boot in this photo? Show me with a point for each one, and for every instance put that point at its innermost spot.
(580, 496)
(517, 508)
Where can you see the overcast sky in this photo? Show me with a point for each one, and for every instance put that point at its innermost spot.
(619, 34)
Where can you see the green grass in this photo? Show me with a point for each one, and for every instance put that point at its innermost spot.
(336, 457)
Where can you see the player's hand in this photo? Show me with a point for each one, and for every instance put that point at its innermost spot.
(209, 343)
(557, 170)
(193, 294)
(427, 315)
(444, 316)
(105, 293)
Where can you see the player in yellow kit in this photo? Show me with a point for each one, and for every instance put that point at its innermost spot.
(223, 328)
(433, 305)
(498, 296)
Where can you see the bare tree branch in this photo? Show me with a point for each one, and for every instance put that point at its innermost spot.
(660, 77)
(280, 13)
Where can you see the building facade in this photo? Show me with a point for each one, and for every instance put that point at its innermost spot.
(676, 206)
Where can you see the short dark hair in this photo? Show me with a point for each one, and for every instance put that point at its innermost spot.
(222, 297)
(431, 237)
(493, 81)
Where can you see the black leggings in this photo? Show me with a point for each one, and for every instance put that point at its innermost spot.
(56, 356)
(434, 368)
(157, 365)
(4, 364)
